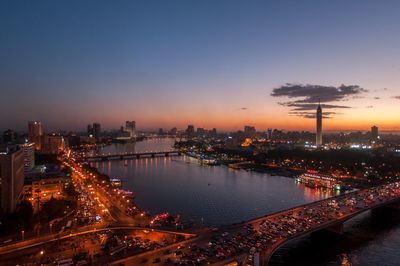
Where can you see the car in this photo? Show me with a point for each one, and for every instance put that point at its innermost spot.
(156, 260)
(144, 260)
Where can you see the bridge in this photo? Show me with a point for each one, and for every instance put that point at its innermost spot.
(29, 243)
(134, 155)
(273, 231)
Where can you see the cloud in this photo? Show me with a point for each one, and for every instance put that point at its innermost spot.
(306, 97)
(396, 97)
(315, 93)
(312, 115)
(304, 107)
(377, 98)
(383, 89)
(369, 106)
(243, 108)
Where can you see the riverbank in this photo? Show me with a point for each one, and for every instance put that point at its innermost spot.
(265, 169)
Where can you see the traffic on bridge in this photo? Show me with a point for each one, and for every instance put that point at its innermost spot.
(254, 242)
(260, 238)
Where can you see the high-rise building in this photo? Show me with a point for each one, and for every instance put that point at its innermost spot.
(374, 133)
(190, 131)
(249, 131)
(28, 150)
(90, 130)
(173, 131)
(130, 126)
(35, 133)
(73, 140)
(201, 132)
(213, 133)
(318, 141)
(10, 136)
(52, 143)
(96, 130)
(11, 178)
(269, 133)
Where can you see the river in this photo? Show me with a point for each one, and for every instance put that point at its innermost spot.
(215, 195)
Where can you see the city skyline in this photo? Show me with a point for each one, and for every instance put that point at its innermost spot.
(220, 65)
(214, 132)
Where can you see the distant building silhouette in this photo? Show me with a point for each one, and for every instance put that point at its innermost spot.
(173, 131)
(213, 133)
(10, 136)
(35, 133)
(201, 132)
(249, 131)
(190, 131)
(374, 133)
(94, 130)
(90, 130)
(130, 126)
(52, 143)
(269, 133)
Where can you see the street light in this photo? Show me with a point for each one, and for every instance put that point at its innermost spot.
(23, 235)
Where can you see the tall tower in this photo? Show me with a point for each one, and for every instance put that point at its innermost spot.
(319, 126)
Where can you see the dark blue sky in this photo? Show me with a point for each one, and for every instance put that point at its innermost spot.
(211, 63)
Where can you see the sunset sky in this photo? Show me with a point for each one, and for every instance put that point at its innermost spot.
(214, 63)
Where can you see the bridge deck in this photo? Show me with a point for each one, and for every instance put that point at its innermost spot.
(274, 230)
